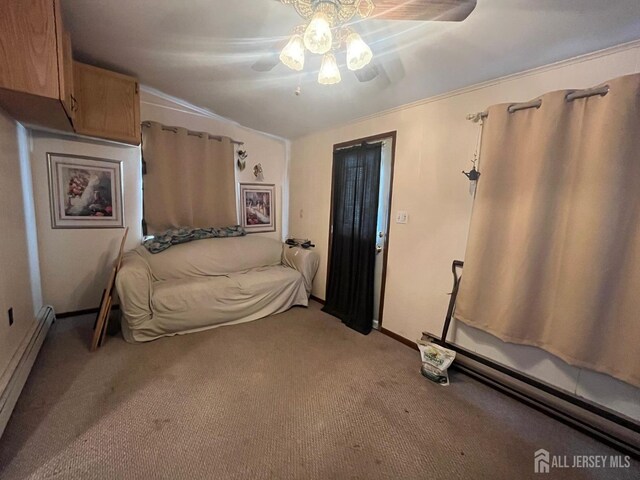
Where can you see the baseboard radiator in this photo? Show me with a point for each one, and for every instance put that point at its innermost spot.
(15, 375)
(607, 426)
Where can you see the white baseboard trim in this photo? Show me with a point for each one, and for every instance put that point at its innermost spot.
(15, 376)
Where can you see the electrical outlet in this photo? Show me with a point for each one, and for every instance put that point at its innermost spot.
(402, 216)
(10, 313)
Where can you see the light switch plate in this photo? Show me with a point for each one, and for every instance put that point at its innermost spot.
(402, 216)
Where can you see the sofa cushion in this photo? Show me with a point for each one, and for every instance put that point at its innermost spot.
(213, 256)
(190, 304)
(265, 280)
(184, 294)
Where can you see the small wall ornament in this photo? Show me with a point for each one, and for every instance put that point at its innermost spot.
(473, 175)
(257, 172)
(242, 159)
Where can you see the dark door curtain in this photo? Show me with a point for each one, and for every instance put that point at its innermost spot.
(356, 181)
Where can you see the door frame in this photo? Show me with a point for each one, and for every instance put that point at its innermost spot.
(393, 135)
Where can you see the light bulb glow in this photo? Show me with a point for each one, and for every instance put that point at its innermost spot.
(318, 37)
(358, 52)
(293, 54)
(329, 72)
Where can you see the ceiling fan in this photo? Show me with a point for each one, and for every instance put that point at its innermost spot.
(327, 29)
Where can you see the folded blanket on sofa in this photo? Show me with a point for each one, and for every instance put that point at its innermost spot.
(175, 236)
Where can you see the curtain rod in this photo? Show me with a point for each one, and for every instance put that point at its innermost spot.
(569, 97)
(355, 145)
(193, 133)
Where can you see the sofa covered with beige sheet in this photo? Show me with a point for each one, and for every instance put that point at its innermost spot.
(208, 283)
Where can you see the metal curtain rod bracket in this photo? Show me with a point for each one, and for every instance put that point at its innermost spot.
(148, 123)
(514, 107)
(477, 117)
(590, 92)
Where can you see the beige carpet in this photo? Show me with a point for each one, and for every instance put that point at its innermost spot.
(297, 395)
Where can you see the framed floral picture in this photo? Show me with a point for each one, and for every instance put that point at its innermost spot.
(258, 207)
(85, 192)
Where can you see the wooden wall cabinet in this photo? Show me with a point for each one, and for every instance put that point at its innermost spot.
(108, 104)
(41, 85)
(33, 62)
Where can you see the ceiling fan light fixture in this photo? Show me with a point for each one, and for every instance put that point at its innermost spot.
(329, 72)
(292, 54)
(318, 37)
(358, 52)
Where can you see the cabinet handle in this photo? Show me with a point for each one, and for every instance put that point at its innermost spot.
(74, 104)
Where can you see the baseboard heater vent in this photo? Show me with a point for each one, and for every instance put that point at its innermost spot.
(13, 378)
(611, 428)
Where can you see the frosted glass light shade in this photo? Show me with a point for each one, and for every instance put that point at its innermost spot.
(317, 37)
(329, 72)
(293, 54)
(358, 52)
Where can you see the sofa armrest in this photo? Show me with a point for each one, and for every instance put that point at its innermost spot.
(134, 286)
(304, 261)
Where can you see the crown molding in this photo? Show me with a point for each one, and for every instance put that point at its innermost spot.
(186, 107)
(495, 81)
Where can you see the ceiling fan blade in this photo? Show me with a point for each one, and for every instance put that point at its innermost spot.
(368, 72)
(383, 72)
(267, 63)
(437, 10)
(269, 60)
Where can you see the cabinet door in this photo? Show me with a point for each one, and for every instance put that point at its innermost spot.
(66, 76)
(108, 104)
(28, 47)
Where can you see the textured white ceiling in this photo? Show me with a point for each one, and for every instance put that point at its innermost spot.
(202, 51)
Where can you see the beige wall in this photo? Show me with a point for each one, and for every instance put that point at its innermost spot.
(75, 263)
(434, 143)
(271, 152)
(19, 277)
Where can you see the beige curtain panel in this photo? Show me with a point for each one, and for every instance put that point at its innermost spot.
(553, 257)
(190, 179)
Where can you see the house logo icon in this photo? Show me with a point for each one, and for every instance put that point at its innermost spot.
(541, 461)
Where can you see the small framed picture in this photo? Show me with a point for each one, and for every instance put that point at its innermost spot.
(258, 207)
(85, 192)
